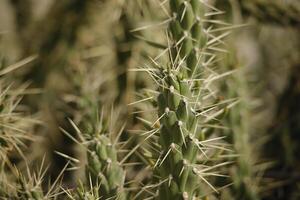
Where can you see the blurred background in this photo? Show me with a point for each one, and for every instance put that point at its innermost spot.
(75, 55)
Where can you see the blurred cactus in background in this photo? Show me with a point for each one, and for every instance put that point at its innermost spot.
(160, 99)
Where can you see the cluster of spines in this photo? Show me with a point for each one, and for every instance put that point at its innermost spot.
(29, 189)
(14, 136)
(82, 194)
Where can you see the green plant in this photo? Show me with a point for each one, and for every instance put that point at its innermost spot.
(104, 168)
(104, 174)
(188, 107)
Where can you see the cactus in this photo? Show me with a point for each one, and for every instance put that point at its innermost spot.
(104, 175)
(182, 84)
(104, 169)
(178, 146)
